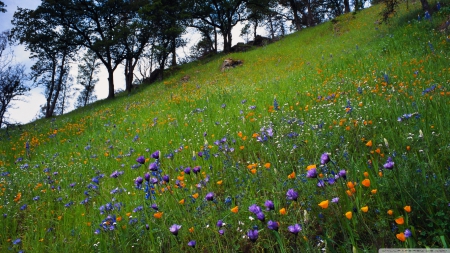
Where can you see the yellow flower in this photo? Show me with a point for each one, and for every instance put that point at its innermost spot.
(195, 195)
(219, 182)
(407, 209)
(283, 211)
(348, 215)
(324, 204)
(366, 182)
(390, 212)
(191, 229)
(235, 209)
(400, 220)
(365, 209)
(373, 191)
(181, 201)
(369, 143)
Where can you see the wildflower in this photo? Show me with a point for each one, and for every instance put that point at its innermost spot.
(254, 208)
(348, 215)
(389, 164)
(273, 225)
(267, 165)
(407, 233)
(312, 166)
(295, 229)
(343, 174)
(324, 158)
(174, 229)
(154, 207)
(390, 212)
(155, 154)
(192, 243)
(283, 211)
(401, 237)
(17, 241)
(165, 178)
(219, 223)
(291, 194)
(374, 191)
(407, 209)
(209, 196)
(366, 174)
(196, 169)
(252, 235)
(181, 202)
(158, 215)
(191, 230)
(269, 205)
(140, 159)
(138, 181)
(335, 200)
(366, 182)
(292, 175)
(312, 173)
(235, 209)
(400, 220)
(260, 216)
(369, 143)
(153, 167)
(365, 209)
(324, 204)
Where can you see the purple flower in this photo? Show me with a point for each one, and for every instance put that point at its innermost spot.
(295, 229)
(165, 178)
(389, 164)
(331, 180)
(408, 233)
(147, 177)
(273, 225)
(192, 243)
(138, 181)
(17, 241)
(209, 196)
(252, 235)
(335, 200)
(221, 232)
(343, 174)
(155, 154)
(254, 209)
(219, 223)
(116, 174)
(196, 169)
(269, 205)
(312, 173)
(187, 170)
(324, 158)
(154, 207)
(291, 194)
(260, 216)
(140, 159)
(153, 180)
(153, 167)
(320, 183)
(174, 229)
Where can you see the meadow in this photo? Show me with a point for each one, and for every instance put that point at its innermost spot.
(334, 138)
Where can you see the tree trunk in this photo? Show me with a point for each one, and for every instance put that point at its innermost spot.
(48, 112)
(110, 82)
(425, 5)
(310, 19)
(215, 40)
(346, 6)
(174, 52)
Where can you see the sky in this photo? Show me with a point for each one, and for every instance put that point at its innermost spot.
(28, 108)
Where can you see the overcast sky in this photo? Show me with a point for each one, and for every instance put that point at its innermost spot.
(27, 110)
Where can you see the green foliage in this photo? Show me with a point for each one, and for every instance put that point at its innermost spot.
(364, 98)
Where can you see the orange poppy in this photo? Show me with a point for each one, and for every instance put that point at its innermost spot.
(283, 211)
(365, 209)
(401, 236)
(348, 215)
(292, 175)
(407, 209)
(324, 204)
(366, 182)
(158, 215)
(369, 143)
(235, 209)
(400, 220)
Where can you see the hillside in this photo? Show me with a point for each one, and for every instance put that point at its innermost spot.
(335, 137)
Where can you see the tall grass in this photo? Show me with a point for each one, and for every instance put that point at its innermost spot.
(224, 146)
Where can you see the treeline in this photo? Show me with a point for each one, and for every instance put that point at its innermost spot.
(143, 35)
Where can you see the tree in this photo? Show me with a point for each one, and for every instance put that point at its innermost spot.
(12, 78)
(2, 7)
(86, 78)
(221, 14)
(53, 47)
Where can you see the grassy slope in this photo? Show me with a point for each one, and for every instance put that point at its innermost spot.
(338, 85)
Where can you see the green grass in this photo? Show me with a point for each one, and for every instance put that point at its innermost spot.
(340, 87)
